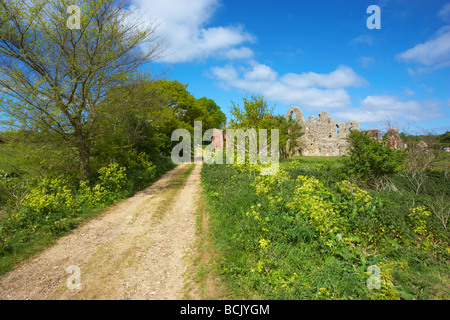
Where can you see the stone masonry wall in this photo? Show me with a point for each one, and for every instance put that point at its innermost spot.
(323, 136)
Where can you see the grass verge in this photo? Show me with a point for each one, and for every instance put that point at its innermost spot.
(203, 281)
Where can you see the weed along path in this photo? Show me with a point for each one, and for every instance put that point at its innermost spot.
(137, 249)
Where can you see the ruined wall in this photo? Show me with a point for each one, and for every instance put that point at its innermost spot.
(323, 136)
(219, 138)
(394, 140)
(375, 134)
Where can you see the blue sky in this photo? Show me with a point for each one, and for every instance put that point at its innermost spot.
(318, 55)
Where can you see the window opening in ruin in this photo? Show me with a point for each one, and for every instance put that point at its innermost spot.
(337, 131)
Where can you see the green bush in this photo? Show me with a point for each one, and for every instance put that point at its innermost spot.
(12, 189)
(371, 161)
(110, 187)
(49, 196)
(140, 170)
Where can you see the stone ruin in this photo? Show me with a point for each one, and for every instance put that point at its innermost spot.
(218, 139)
(323, 136)
(326, 137)
(393, 138)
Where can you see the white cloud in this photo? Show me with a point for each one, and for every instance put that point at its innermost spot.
(444, 13)
(408, 91)
(327, 91)
(383, 108)
(427, 88)
(307, 89)
(183, 26)
(434, 53)
(366, 61)
(343, 76)
(363, 39)
(237, 53)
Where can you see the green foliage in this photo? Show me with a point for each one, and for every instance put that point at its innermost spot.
(419, 226)
(52, 86)
(7, 188)
(305, 233)
(154, 110)
(51, 206)
(51, 195)
(40, 153)
(218, 118)
(6, 162)
(12, 186)
(290, 131)
(444, 139)
(112, 179)
(256, 114)
(140, 168)
(53, 198)
(83, 127)
(371, 161)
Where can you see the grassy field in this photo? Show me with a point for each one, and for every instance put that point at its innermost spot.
(443, 164)
(312, 162)
(305, 234)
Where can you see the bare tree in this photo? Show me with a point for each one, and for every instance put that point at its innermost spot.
(441, 207)
(55, 78)
(423, 153)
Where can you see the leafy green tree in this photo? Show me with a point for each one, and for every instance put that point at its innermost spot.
(55, 78)
(444, 140)
(154, 109)
(371, 161)
(218, 118)
(290, 131)
(185, 106)
(257, 114)
(147, 122)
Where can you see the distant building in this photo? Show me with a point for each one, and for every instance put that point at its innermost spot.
(326, 137)
(219, 139)
(394, 140)
(323, 136)
(375, 134)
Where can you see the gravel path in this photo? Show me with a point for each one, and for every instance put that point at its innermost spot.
(135, 250)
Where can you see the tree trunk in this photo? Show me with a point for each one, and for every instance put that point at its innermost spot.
(84, 166)
(84, 151)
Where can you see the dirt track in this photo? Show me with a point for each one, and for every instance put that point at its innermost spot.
(137, 249)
